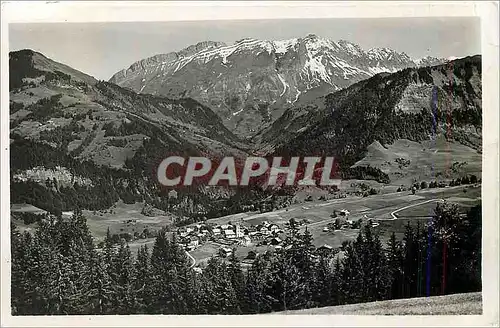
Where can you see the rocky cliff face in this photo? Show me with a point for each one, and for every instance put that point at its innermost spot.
(250, 83)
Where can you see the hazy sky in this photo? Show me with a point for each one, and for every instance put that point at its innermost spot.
(101, 49)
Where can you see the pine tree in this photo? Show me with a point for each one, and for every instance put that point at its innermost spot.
(301, 257)
(122, 273)
(255, 287)
(169, 270)
(445, 224)
(59, 286)
(284, 285)
(193, 293)
(381, 283)
(421, 250)
(409, 262)
(222, 294)
(352, 271)
(464, 257)
(142, 280)
(98, 291)
(206, 294)
(323, 283)
(395, 262)
(337, 285)
(20, 245)
(237, 280)
(162, 272)
(77, 262)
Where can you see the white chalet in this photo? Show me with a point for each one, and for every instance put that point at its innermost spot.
(263, 230)
(194, 241)
(172, 194)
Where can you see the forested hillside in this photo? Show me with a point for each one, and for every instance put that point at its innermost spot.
(414, 104)
(72, 128)
(58, 270)
(96, 142)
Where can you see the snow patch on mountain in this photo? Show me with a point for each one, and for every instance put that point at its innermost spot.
(315, 66)
(285, 85)
(351, 48)
(282, 46)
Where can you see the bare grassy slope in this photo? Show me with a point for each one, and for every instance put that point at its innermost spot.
(406, 161)
(461, 304)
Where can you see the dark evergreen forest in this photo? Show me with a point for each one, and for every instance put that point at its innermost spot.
(57, 269)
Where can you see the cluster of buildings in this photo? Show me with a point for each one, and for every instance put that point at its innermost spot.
(193, 236)
(229, 234)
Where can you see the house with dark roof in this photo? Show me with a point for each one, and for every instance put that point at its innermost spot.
(252, 255)
(225, 252)
(275, 241)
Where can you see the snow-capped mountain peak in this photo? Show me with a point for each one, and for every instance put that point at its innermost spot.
(251, 82)
(429, 61)
(282, 46)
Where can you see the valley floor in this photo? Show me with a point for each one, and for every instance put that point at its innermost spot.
(405, 207)
(391, 210)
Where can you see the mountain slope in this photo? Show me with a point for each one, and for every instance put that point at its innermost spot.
(78, 142)
(99, 141)
(413, 104)
(48, 99)
(456, 304)
(252, 82)
(28, 64)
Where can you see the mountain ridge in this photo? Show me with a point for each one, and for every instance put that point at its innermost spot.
(252, 82)
(102, 142)
(111, 139)
(415, 104)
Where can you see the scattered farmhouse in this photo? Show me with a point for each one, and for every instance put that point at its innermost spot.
(252, 255)
(275, 241)
(172, 194)
(239, 233)
(344, 212)
(325, 248)
(225, 252)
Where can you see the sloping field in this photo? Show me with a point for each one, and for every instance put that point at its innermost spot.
(405, 161)
(461, 304)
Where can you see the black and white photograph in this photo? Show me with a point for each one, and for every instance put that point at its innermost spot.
(264, 166)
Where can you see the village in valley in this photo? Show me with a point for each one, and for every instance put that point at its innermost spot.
(331, 221)
(265, 236)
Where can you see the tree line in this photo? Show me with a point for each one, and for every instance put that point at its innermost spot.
(57, 269)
